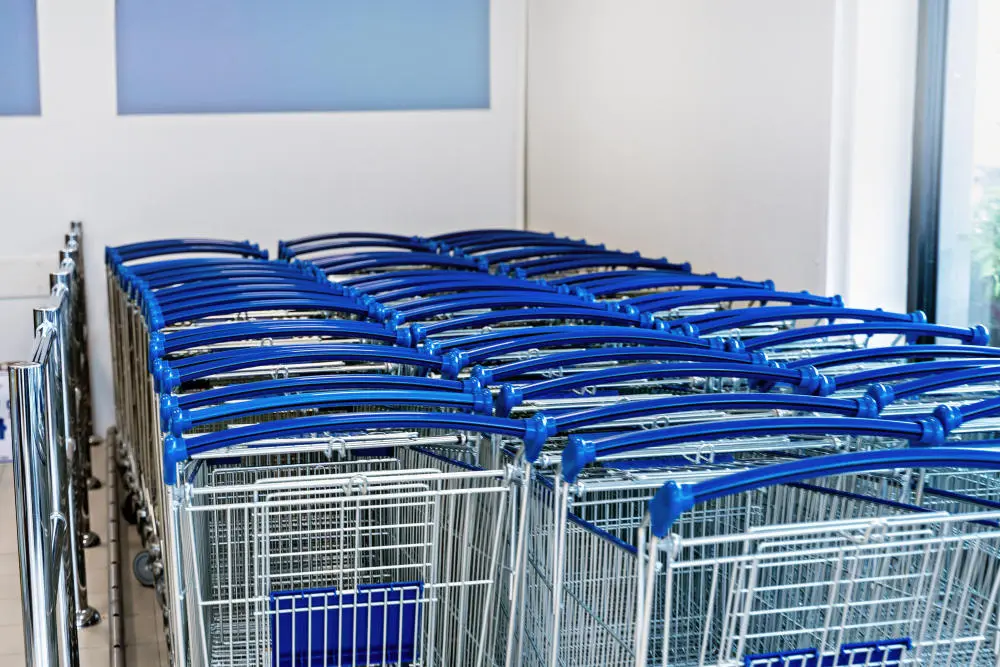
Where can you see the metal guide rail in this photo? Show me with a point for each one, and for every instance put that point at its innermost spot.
(499, 447)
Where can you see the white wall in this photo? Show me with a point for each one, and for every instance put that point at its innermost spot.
(769, 139)
(262, 177)
(695, 130)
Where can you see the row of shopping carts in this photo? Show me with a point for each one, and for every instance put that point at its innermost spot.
(508, 448)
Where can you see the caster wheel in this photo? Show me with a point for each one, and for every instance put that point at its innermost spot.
(142, 568)
(130, 512)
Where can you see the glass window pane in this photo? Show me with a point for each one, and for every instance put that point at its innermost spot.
(232, 56)
(19, 94)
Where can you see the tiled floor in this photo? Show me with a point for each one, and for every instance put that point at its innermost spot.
(143, 625)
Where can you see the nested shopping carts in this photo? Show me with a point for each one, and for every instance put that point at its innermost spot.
(508, 448)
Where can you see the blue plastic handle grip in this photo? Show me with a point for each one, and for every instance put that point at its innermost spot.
(373, 283)
(492, 298)
(184, 339)
(682, 298)
(180, 266)
(176, 450)
(898, 352)
(951, 380)
(349, 244)
(292, 243)
(134, 251)
(725, 320)
(566, 313)
(977, 335)
(492, 246)
(263, 272)
(509, 334)
(382, 260)
(557, 362)
(171, 374)
(554, 249)
(862, 407)
(615, 286)
(912, 370)
(216, 289)
(456, 287)
(473, 235)
(581, 451)
(201, 310)
(458, 359)
(585, 261)
(182, 421)
(672, 500)
(805, 380)
(592, 277)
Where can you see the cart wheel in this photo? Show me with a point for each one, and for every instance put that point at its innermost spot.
(130, 510)
(142, 567)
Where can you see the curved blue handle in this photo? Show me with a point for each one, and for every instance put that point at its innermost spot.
(805, 380)
(863, 407)
(134, 251)
(580, 313)
(724, 320)
(160, 344)
(216, 289)
(373, 283)
(383, 260)
(182, 266)
(612, 286)
(457, 359)
(977, 335)
(673, 500)
(263, 270)
(348, 244)
(885, 394)
(182, 421)
(459, 287)
(897, 352)
(473, 235)
(169, 375)
(507, 334)
(490, 299)
(561, 360)
(581, 451)
(176, 450)
(911, 370)
(515, 243)
(194, 312)
(682, 298)
(552, 250)
(590, 260)
(591, 277)
(312, 383)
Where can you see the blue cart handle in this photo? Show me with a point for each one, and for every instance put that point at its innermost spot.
(581, 451)
(261, 272)
(682, 298)
(458, 359)
(256, 302)
(491, 298)
(522, 252)
(220, 286)
(182, 421)
(134, 251)
(672, 500)
(977, 335)
(176, 341)
(596, 277)
(384, 260)
(352, 244)
(508, 334)
(579, 313)
(177, 268)
(725, 320)
(655, 280)
(176, 450)
(863, 407)
(922, 369)
(805, 380)
(495, 246)
(474, 235)
(373, 283)
(532, 268)
(898, 352)
(458, 287)
(168, 375)
(556, 363)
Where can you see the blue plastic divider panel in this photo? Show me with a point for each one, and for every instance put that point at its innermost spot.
(378, 624)
(248, 56)
(19, 91)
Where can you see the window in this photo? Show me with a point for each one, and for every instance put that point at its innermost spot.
(237, 56)
(19, 94)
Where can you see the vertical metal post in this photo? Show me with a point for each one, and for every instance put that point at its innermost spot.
(73, 491)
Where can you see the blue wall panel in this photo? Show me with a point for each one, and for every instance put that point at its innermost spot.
(19, 94)
(234, 56)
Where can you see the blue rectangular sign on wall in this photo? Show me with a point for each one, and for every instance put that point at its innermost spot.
(244, 56)
(19, 93)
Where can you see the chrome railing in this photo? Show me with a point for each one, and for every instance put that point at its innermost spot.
(51, 423)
